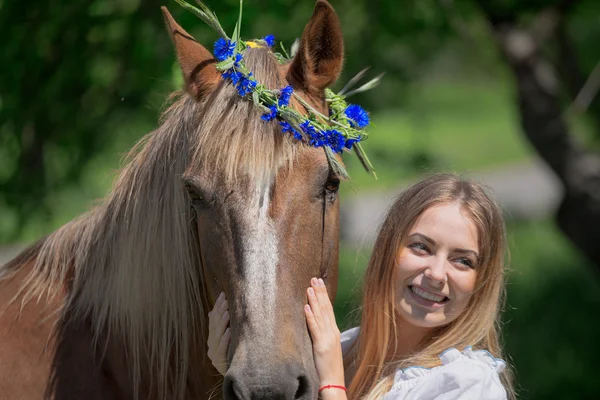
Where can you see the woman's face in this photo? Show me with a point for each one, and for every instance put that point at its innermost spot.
(437, 267)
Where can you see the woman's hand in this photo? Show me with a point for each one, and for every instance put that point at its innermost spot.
(219, 334)
(325, 335)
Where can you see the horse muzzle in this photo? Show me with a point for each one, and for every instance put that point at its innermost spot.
(288, 381)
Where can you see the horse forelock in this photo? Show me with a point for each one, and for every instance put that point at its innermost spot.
(233, 140)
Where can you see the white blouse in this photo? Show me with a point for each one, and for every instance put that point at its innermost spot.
(467, 375)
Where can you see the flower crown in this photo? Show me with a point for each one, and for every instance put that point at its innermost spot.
(342, 129)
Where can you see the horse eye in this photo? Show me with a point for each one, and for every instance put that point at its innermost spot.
(195, 197)
(332, 185)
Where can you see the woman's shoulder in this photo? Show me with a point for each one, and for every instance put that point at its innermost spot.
(467, 374)
(348, 337)
(470, 356)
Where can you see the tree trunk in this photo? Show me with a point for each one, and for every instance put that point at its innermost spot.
(540, 110)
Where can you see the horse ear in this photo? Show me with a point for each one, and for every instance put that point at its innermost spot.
(196, 62)
(320, 56)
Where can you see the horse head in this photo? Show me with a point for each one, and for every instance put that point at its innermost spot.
(264, 207)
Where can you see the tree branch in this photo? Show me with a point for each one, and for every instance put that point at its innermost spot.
(588, 92)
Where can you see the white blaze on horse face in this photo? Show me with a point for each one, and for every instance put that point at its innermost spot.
(260, 269)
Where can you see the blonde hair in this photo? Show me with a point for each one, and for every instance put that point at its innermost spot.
(477, 326)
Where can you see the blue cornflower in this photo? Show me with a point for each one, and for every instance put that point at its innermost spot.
(223, 49)
(233, 75)
(287, 127)
(270, 40)
(357, 115)
(271, 115)
(243, 84)
(238, 59)
(317, 139)
(284, 96)
(350, 143)
(335, 140)
(308, 128)
(246, 85)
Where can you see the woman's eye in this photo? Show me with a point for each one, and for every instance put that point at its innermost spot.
(418, 247)
(465, 262)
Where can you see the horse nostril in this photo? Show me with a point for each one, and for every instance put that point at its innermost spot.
(303, 388)
(231, 389)
(282, 384)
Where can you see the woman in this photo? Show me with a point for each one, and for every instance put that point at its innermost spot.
(432, 296)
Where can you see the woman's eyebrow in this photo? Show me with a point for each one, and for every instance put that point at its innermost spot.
(466, 251)
(423, 237)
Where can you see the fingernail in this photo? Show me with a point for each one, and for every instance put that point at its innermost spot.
(306, 308)
(311, 291)
(321, 282)
(226, 315)
(227, 331)
(314, 281)
(221, 295)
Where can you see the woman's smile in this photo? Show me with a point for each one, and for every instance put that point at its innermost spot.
(421, 296)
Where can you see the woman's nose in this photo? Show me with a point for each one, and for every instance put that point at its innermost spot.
(436, 270)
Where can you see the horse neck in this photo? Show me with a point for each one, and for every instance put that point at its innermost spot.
(131, 265)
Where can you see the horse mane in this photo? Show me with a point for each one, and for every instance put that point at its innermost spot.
(234, 139)
(132, 264)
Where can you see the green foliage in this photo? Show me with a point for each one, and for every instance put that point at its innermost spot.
(69, 70)
(551, 325)
(445, 125)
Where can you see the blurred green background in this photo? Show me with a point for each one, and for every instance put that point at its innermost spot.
(81, 82)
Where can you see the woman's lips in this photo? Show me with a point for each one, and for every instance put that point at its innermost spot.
(427, 298)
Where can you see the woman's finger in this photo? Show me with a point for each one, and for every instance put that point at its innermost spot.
(219, 334)
(314, 306)
(218, 319)
(322, 300)
(222, 324)
(313, 327)
(224, 343)
(214, 316)
(325, 295)
(326, 306)
(218, 354)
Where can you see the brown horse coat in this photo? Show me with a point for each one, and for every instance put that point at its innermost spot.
(113, 304)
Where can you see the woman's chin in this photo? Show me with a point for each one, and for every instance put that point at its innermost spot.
(421, 316)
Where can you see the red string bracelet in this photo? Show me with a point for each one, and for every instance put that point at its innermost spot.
(341, 387)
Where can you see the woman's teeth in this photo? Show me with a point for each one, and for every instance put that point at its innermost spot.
(426, 295)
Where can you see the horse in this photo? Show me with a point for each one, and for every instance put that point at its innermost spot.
(113, 305)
